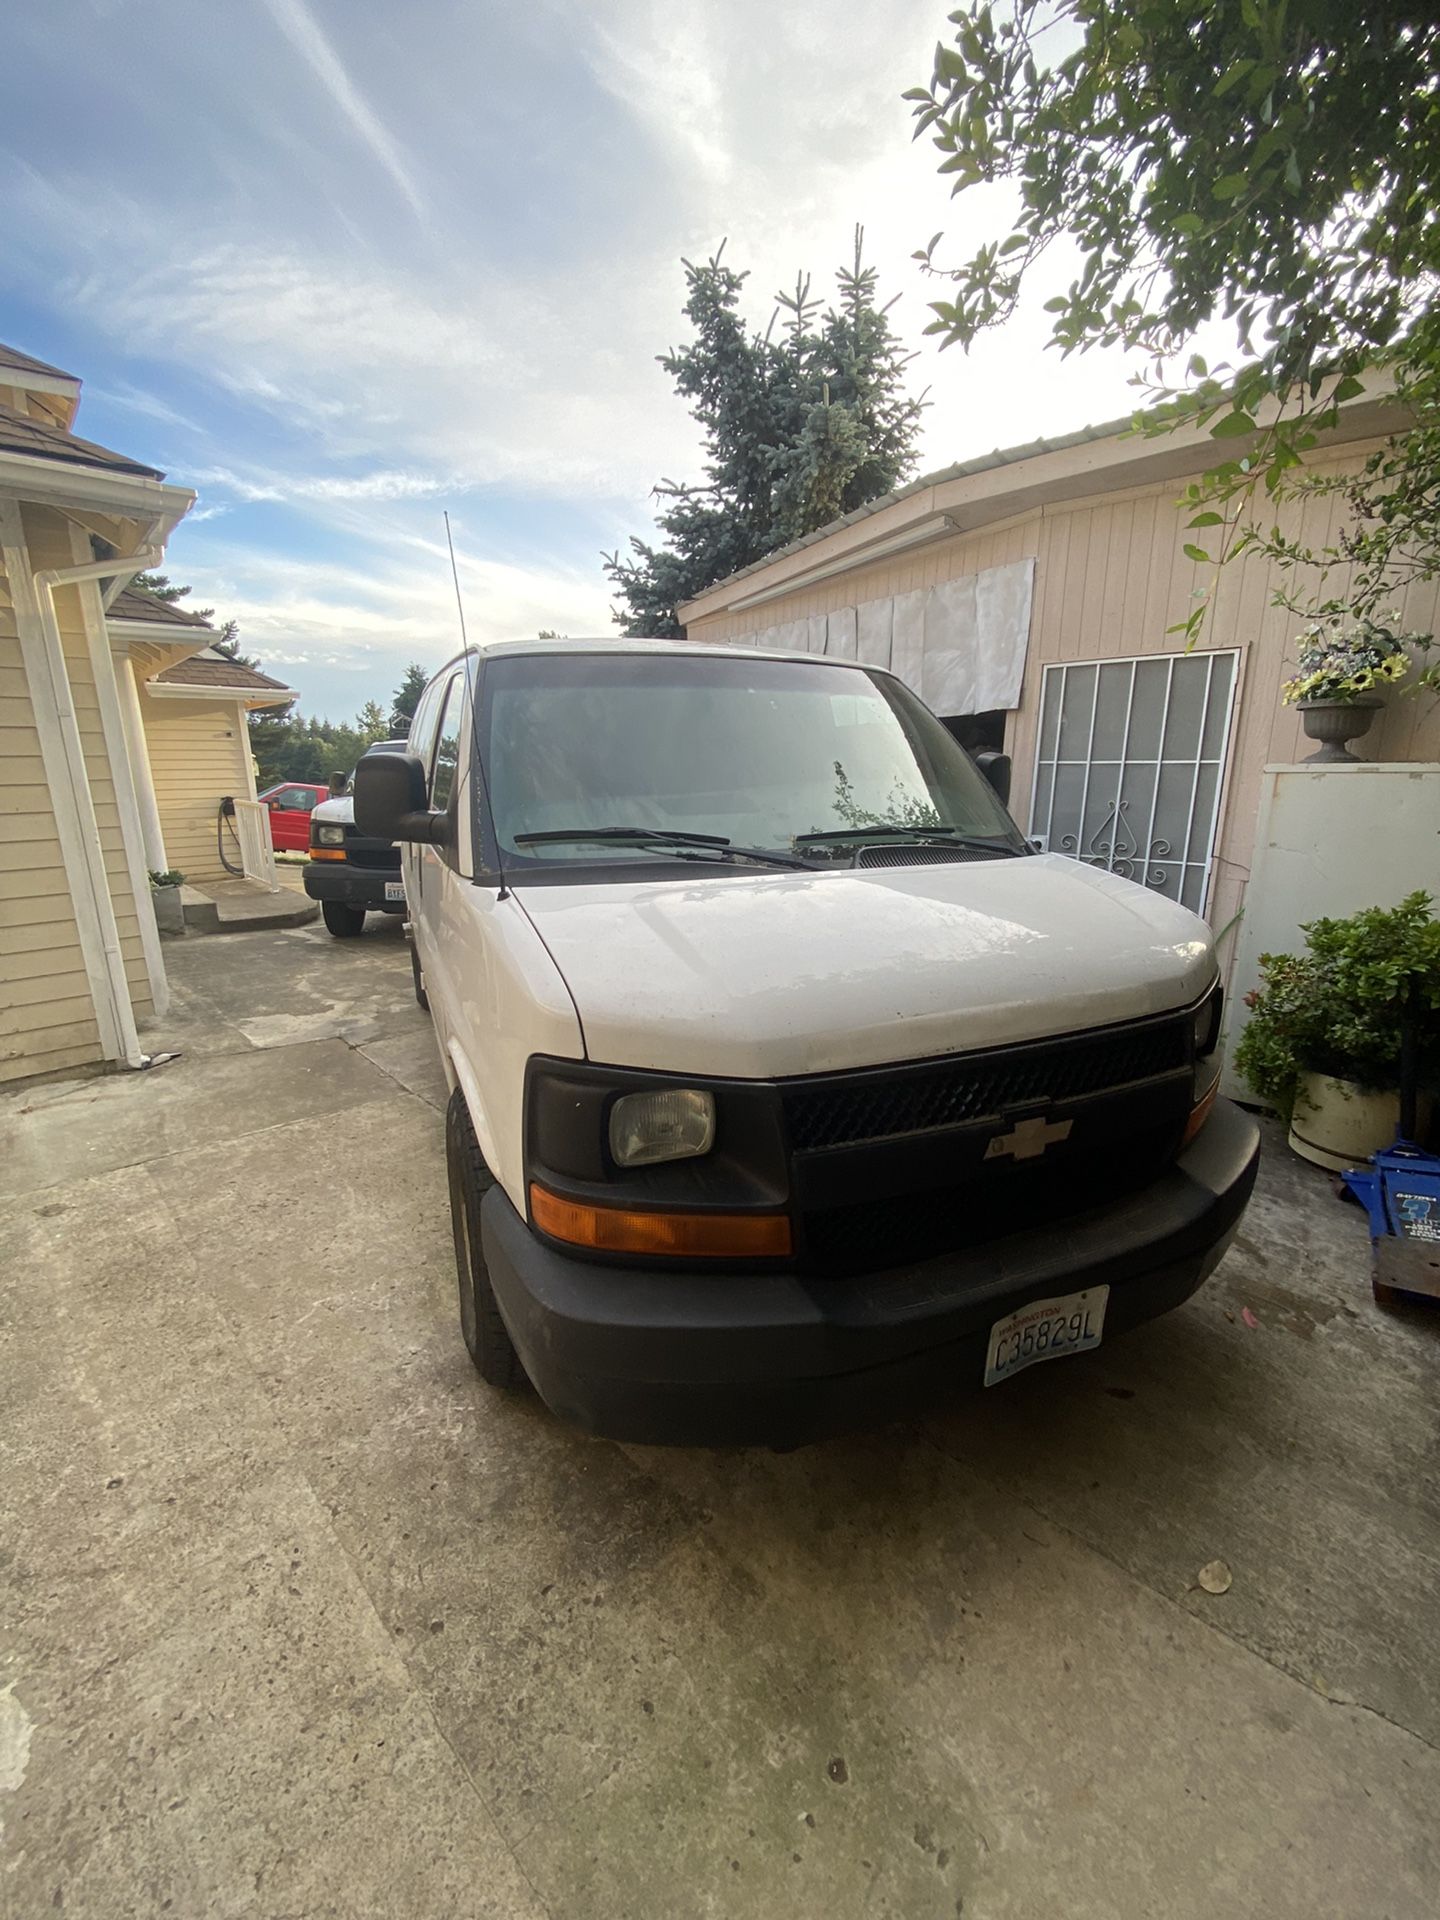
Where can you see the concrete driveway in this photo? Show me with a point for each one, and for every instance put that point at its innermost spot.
(299, 1619)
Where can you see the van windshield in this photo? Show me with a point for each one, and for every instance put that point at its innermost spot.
(760, 753)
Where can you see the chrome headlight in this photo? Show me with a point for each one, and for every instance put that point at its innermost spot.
(673, 1124)
(328, 836)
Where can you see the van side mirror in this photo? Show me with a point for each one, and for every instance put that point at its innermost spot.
(390, 802)
(996, 769)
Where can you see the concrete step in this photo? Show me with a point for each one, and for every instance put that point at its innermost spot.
(243, 906)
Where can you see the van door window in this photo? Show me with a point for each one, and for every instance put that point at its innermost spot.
(447, 750)
(421, 738)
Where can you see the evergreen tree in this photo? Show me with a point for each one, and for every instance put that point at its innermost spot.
(372, 723)
(272, 739)
(797, 430)
(161, 587)
(407, 698)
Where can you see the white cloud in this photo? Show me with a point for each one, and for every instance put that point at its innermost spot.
(341, 362)
(150, 405)
(354, 629)
(301, 29)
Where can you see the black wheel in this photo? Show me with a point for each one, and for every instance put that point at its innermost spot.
(422, 998)
(344, 922)
(470, 1180)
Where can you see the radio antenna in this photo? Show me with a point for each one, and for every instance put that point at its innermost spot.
(455, 576)
(469, 697)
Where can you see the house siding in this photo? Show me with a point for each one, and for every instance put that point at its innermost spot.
(48, 537)
(47, 1017)
(1111, 578)
(199, 752)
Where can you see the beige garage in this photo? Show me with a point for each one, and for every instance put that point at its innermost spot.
(1030, 598)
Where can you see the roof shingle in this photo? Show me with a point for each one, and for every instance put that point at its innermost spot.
(12, 358)
(41, 441)
(135, 603)
(211, 669)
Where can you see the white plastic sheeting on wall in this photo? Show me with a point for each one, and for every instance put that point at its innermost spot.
(961, 645)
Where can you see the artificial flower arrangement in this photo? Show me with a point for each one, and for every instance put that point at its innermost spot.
(1349, 662)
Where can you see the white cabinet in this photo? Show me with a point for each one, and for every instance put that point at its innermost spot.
(1329, 841)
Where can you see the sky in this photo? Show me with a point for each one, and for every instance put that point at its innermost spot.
(341, 265)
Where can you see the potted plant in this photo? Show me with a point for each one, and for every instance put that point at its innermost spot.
(1340, 666)
(1324, 1037)
(165, 894)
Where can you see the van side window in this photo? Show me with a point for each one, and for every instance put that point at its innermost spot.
(447, 751)
(421, 740)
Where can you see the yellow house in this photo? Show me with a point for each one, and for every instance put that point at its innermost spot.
(191, 716)
(81, 967)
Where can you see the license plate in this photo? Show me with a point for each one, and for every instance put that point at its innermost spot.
(1045, 1330)
(395, 890)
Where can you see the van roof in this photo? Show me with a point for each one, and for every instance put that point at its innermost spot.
(624, 643)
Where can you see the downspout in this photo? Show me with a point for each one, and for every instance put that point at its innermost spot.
(113, 959)
(134, 723)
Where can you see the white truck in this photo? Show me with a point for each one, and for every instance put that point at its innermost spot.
(348, 872)
(790, 1088)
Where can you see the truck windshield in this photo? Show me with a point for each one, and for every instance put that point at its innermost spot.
(758, 752)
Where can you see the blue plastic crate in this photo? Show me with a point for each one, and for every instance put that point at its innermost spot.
(1400, 1191)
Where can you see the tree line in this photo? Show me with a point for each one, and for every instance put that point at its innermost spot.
(289, 746)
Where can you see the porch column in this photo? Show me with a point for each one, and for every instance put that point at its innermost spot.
(139, 756)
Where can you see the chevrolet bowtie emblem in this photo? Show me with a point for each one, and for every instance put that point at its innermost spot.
(1028, 1139)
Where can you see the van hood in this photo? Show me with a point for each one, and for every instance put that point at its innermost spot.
(769, 974)
(338, 812)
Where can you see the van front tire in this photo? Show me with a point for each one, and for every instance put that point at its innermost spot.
(489, 1345)
(422, 999)
(344, 922)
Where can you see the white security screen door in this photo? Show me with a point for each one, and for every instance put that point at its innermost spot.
(1130, 759)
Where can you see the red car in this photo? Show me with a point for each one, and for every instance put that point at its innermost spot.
(291, 805)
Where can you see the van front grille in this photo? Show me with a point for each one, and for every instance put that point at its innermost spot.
(874, 1234)
(381, 856)
(889, 1102)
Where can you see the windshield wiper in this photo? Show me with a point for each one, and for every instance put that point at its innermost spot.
(685, 846)
(951, 836)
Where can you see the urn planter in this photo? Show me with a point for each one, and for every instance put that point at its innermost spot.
(1334, 723)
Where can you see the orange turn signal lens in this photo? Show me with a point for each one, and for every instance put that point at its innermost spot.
(327, 853)
(715, 1236)
(1199, 1114)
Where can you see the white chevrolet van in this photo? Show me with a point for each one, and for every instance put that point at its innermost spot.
(791, 1089)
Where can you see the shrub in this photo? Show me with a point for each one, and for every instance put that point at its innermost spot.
(1338, 1008)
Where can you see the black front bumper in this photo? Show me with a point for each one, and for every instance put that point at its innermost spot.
(776, 1359)
(354, 886)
